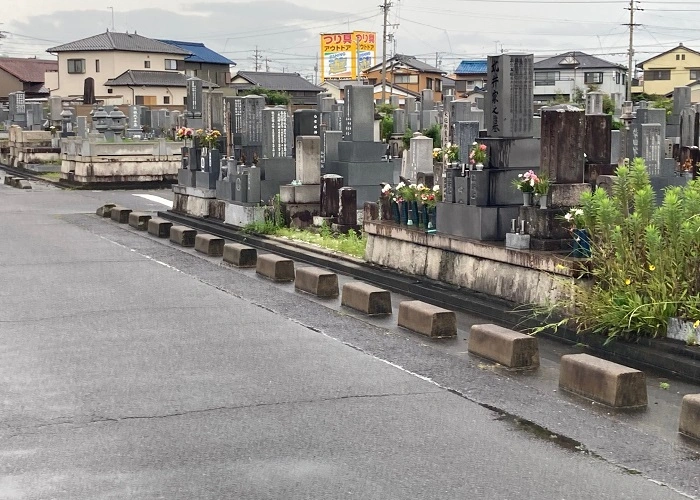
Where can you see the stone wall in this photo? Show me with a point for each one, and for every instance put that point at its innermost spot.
(521, 277)
(25, 147)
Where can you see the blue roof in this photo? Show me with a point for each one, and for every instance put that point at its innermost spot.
(473, 67)
(199, 53)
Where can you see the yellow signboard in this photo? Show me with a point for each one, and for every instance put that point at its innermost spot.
(345, 55)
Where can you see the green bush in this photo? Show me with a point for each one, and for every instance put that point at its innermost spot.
(644, 258)
(435, 133)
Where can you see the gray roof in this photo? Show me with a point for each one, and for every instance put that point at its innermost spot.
(139, 78)
(575, 59)
(127, 42)
(411, 61)
(289, 82)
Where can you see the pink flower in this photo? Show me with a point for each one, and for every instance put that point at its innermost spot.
(482, 147)
(471, 154)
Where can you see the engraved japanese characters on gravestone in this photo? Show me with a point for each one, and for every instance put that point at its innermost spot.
(651, 147)
(275, 132)
(509, 100)
(563, 133)
(359, 113)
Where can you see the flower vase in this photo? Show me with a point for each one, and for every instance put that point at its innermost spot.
(582, 244)
(543, 201)
(432, 220)
(403, 212)
(396, 215)
(527, 199)
(479, 167)
(423, 217)
(413, 214)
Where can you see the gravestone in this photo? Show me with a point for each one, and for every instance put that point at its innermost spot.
(337, 121)
(597, 146)
(330, 146)
(216, 103)
(465, 134)
(399, 116)
(594, 102)
(308, 156)
(409, 104)
(394, 101)
(427, 99)
(347, 211)
(460, 110)
(134, 121)
(55, 108)
(688, 132)
(651, 148)
(251, 127)
(275, 132)
(563, 132)
(330, 186)
(536, 127)
(509, 100)
(615, 147)
(18, 108)
(414, 121)
(194, 103)
(420, 158)
(82, 131)
(359, 113)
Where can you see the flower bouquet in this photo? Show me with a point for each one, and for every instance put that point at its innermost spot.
(477, 155)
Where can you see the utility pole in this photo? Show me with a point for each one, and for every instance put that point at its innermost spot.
(385, 8)
(257, 59)
(630, 52)
(112, 9)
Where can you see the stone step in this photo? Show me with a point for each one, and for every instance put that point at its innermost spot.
(690, 416)
(603, 381)
(105, 210)
(506, 347)
(159, 227)
(139, 220)
(8, 180)
(240, 255)
(316, 281)
(275, 267)
(120, 214)
(209, 244)
(183, 235)
(366, 298)
(427, 319)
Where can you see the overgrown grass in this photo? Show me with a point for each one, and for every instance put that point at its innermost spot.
(349, 244)
(51, 176)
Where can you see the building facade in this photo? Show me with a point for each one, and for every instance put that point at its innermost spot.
(677, 67)
(204, 63)
(27, 75)
(470, 75)
(571, 72)
(410, 74)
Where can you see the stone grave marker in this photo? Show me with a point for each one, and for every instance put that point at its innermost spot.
(563, 132)
(275, 133)
(399, 116)
(651, 147)
(509, 100)
(465, 134)
(359, 113)
(420, 157)
(195, 103)
(308, 156)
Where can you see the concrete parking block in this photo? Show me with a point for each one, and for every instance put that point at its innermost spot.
(139, 220)
(209, 244)
(183, 235)
(275, 267)
(690, 416)
(120, 214)
(316, 281)
(159, 227)
(427, 319)
(506, 347)
(366, 298)
(240, 255)
(105, 210)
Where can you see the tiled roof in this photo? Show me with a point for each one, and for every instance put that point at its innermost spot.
(139, 78)
(27, 70)
(411, 61)
(472, 67)
(199, 53)
(290, 82)
(127, 42)
(579, 60)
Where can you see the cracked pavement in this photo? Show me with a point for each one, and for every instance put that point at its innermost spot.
(132, 369)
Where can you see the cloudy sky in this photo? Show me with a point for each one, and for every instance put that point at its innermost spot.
(285, 32)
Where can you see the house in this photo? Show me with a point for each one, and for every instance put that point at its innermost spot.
(151, 88)
(567, 73)
(204, 63)
(449, 86)
(470, 75)
(394, 90)
(694, 91)
(303, 93)
(108, 57)
(17, 74)
(677, 67)
(336, 88)
(410, 73)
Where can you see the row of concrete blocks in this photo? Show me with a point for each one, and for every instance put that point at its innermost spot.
(596, 379)
(17, 182)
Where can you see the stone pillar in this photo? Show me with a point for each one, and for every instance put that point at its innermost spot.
(562, 144)
(420, 157)
(330, 186)
(465, 134)
(308, 155)
(370, 211)
(347, 211)
(510, 96)
(598, 145)
(399, 116)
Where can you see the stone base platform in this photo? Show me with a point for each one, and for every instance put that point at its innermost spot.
(199, 202)
(520, 276)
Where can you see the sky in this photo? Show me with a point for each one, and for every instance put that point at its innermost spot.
(285, 33)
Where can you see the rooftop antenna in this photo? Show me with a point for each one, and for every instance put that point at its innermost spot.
(112, 9)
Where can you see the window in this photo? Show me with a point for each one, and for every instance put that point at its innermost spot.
(372, 81)
(593, 78)
(76, 66)
(429, 83)
(657, 74)
(175, 65)
(147, 64)
(406, 78)
(546, 78)
(184, 101)
(438, 85)
(695, 74)
(682, 57)
(97, 65)
(139, 100)
(166, 99)
(678, 57)
(110, 90)
(617, 77)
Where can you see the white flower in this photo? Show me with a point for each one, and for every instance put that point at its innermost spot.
(412, 186)
(400, 185)
(420, 187)
(475, 143)
(386, 188)
(532, 183)
(568, 216)
(436, 188)
(578, 211)
(520, 176)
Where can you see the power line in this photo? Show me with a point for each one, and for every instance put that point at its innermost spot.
(630, 51)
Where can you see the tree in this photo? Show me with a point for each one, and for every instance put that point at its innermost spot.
(435, 134)
(272, 97)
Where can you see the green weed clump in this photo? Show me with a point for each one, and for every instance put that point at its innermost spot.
(645, 259)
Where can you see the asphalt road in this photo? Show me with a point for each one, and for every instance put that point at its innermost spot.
(132, 369)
